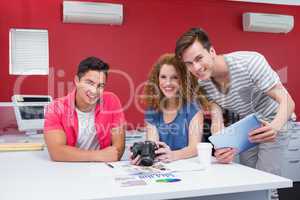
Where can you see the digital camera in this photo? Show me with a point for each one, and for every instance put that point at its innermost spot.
(146, 150)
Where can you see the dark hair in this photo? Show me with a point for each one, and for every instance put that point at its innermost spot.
(189, 37)
(92, 63)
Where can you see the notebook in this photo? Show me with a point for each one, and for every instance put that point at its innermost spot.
(236, 135)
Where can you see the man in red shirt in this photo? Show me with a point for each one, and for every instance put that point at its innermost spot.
(88, 123)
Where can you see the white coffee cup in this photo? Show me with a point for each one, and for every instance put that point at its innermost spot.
(204, 153)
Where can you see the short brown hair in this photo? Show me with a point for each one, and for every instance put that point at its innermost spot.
(189, 87)
(189, 37)
(92, 63)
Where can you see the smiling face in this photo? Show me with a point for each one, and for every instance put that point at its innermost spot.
(169, 81)
(90, 88)
(199, 60)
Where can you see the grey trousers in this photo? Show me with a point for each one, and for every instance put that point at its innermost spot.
(267, 156)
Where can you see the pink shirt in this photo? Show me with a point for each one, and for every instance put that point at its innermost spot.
(61, 115)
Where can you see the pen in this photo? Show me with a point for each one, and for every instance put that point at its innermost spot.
(110, 165)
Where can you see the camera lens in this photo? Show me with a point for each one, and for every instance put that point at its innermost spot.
(146, 150)
(147, 161)
(148, 153)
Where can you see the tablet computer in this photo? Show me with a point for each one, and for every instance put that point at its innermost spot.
(236, 135)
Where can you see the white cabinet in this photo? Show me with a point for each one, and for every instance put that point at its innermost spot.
(291, 161)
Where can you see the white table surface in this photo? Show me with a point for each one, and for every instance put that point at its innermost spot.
(31, 175)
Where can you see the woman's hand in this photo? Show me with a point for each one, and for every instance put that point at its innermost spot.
(136, 160)
(225, 155)
(164, 153)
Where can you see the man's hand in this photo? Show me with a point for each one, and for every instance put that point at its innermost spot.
(109, 154)
(164, 152)
(225, 155)
(263, 134)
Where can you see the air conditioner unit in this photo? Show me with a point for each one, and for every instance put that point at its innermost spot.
(92, 13)
(270, 23)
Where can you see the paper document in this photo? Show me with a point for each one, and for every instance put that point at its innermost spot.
(176, 166)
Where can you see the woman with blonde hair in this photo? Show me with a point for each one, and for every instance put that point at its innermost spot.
(174, 116)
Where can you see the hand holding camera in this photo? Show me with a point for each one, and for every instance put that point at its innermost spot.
(164, 153)
(145, 153)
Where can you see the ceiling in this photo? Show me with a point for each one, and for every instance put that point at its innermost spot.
(283, 2)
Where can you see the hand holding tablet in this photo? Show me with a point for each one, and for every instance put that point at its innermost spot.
(237, 135)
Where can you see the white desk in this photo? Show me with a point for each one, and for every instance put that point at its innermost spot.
(31, 175)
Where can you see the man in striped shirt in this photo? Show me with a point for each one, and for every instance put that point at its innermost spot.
(242, 82)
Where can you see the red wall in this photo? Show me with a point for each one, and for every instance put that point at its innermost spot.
(150, 28)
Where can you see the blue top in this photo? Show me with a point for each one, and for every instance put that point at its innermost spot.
(174, 134)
